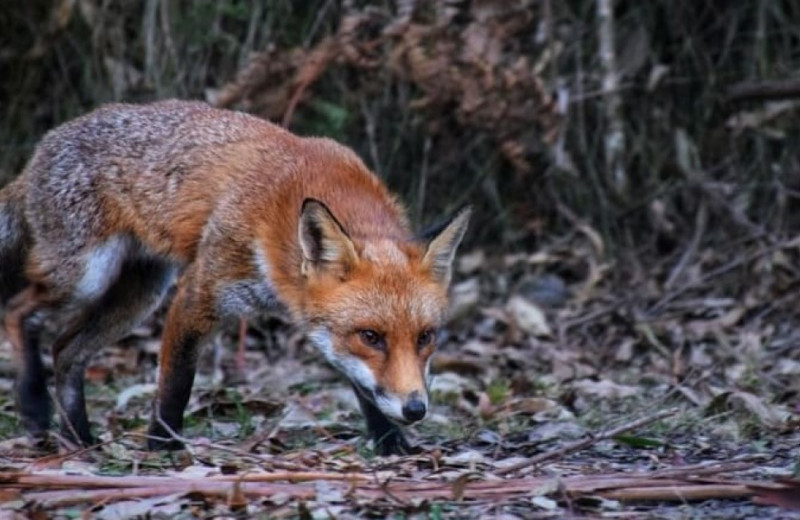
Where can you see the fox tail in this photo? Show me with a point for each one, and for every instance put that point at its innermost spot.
(15, 241)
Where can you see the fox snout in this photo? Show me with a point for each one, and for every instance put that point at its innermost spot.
(403, 409)
(403, 402)
(415, 409)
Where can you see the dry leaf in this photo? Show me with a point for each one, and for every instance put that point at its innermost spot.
(605, 389)
(528, 317)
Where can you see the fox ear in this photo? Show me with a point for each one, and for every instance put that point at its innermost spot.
(443, 241)
(323, 242)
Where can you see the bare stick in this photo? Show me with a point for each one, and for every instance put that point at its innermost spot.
(703, 469)
(41, 481)
(701, 219)
(241, 359)
(763, 91)
(75, 443)
(614, 139)
(51, 490)
(584, 443)
(680, 493)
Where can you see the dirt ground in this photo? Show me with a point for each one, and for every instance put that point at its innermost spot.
(557, 395)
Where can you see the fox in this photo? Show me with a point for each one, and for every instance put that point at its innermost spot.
(244, 217)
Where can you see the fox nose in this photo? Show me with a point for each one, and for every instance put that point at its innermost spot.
(414, 409)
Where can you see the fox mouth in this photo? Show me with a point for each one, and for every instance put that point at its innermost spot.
(365, 392)
(370, 395)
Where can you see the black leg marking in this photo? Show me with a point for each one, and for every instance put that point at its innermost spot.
(33, 401)
(174, 392)
(138, 291)
(387, 436)
(72, 405)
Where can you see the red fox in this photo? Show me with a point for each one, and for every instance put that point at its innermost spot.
(116, 205)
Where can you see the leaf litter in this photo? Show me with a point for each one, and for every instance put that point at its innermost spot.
(581, 397)
(549, 357)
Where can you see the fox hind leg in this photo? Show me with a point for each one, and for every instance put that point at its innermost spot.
(22, 324)
(140, 287)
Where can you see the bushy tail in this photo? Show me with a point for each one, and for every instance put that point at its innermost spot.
(14, 241)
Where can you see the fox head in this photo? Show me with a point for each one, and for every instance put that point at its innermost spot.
(373, 306)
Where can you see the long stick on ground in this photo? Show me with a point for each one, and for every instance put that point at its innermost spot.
(583, 443)
(63, 490)
(666, 493)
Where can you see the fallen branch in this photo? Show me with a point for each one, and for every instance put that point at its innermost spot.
(49, 480)
(219, 490)
(705, 468)
(763, 90)
(584, 443)
(53, 490)
(679, 493)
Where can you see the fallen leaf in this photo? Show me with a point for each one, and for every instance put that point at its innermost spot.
(605, 389)
(528, 317)
(465, 458)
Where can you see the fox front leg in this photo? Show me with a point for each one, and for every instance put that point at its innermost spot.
(185, 330)
(387, 436)
(176, 378)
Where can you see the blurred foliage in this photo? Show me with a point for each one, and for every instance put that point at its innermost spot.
(492, 101)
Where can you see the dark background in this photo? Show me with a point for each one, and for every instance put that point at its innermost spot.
(495, 102)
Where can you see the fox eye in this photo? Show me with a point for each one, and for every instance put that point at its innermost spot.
(425, 338)
(372, 339)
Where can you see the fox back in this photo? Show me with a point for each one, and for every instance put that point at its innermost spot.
(117, 205)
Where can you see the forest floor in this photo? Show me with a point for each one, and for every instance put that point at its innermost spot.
(560, 391)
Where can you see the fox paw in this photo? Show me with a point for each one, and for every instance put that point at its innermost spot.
(394, 442)
(159, 440)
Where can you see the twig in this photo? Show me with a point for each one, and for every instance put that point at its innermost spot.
(75, 443)
(699, 229)
(312, 32)
(763, 90)
(49, 480)
(730, 266)
(173, 435)
(241, 360)
(614, 138)
(316, 63)
(584, 443)
(680, 493)
(696, 180)
(423, 179)
(220, 490)
(704, 468)
(369, 127)
(598, 313)
(294, 476)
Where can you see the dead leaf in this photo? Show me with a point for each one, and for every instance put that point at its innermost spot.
(465, 458)
(605, 389)
(528, 317)
(768, 414)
